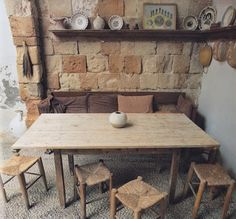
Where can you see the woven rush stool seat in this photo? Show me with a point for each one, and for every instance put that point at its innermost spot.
(90, 175)
(211, 175)
(18, 166)
(137, 196)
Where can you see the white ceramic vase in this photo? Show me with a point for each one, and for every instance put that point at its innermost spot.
(118, 119)
(98, 23)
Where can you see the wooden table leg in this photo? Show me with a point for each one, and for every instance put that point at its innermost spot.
(173, 174)
(60, 178)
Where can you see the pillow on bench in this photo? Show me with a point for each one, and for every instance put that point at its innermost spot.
(184, 106)
(99, 103)
(135, 104)
(77, 104)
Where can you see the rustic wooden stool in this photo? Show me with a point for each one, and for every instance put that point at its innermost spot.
(89, 175)
(138, 196)
(211, 175)
(18, 166)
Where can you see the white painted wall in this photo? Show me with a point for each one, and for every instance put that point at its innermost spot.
(8, 73)
(217, 101)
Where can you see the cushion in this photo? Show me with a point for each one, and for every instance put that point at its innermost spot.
(135, 104)
(167, 108)
(102, 103)
(184, 106)
(77, 104)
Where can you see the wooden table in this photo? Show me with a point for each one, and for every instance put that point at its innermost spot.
(92, 133)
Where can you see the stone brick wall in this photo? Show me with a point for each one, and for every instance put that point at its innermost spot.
(85, 64)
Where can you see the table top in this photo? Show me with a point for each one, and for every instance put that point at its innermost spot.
(93, 131)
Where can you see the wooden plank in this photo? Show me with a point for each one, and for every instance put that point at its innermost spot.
(93, 131)
(60, 184)
(173, 174)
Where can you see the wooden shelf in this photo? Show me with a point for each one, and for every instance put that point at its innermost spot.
(183, 35)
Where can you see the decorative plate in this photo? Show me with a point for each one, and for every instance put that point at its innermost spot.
(205, 56)
(79, 21)
(220, 49)
(190, 23)
(228, 17)
(231, 54)
(115, 22)
(207, 17)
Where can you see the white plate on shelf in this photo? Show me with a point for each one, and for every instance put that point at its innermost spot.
(115, 22)
(79, 21)
(228, 17)
(190, 23)
(207, 17)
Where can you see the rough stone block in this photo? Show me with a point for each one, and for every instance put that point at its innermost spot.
(33, 53)
(65, 47)
(89, 7)
(187, 49)
(129, 82)
(48, 46)
(149, 64)
(53, 81)
(60, 8)
(23, 26)
(108, 81)
(89, 48)
(88, 81)
(74, 64)
(70, 81)
(108, 8)
(148, 81)
(97, 63)
(194, 81)
(170, 48)
(145, 48)
(133, 64)
(130, 8)
(37, 74)
(116, 64)
(34, 90)
(181, 64)
(164, 64)
(110, 48)
(127, 48)
(53, 64)
(172, 81)
(23, 91)
(195, 65)
(32, 107)
(30, 41)
(18, 7)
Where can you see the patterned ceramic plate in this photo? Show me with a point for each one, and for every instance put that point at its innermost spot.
(115, 22)
(207, 17)
(190, 23)
(228, 17)
(79, 21)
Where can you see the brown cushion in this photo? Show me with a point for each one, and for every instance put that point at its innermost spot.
(167, 108)
(135, 104)
(184, 106)
(100, 103)
(77, 104)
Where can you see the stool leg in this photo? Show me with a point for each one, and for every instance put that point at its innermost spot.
(22, 182)
(113, 204)
(137, 214)
(227, 200)
(163, 208)
(42, 172)
(82, 191)
(3, 191)
(110, 185)
(189, 177)
(198, 198)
